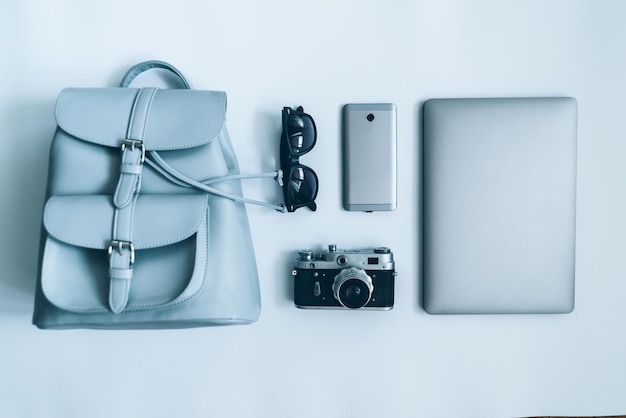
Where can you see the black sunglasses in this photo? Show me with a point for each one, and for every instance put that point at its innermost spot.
(299, 135)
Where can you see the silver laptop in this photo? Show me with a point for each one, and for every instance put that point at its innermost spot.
(499, 205)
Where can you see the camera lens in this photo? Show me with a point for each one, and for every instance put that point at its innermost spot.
(370, 117)
(353, 294)
(353, 288)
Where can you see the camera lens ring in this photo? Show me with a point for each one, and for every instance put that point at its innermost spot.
(353, 288)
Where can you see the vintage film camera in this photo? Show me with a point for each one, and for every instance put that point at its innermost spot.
(344, 278)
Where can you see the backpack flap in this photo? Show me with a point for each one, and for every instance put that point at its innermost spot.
(168, 249)
(163, 119)
(95, 125)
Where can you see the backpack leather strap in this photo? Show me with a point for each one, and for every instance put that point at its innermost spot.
(137, 69)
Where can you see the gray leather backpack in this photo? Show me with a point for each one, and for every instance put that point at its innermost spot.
(144, 224)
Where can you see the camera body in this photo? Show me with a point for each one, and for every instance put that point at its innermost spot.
(352, 279)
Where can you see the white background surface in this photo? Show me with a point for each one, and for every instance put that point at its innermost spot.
(323, 54)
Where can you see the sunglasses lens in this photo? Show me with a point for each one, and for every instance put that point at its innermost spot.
(302, 186)
(300, 133)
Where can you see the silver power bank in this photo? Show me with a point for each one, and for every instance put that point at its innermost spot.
(369, 157)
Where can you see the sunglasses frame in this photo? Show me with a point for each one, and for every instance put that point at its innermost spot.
(290, 159)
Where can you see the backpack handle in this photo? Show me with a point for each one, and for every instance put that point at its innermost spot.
(137, 69)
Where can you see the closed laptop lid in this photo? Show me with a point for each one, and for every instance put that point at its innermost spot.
(499, 205)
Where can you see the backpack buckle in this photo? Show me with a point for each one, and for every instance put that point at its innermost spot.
(119, 246)
(135, 143)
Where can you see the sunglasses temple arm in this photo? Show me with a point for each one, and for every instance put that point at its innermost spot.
(180, 179)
